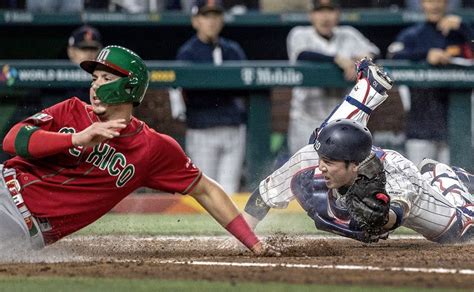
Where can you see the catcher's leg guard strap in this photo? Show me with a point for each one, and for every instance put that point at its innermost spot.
(256, 206)
(358, 104)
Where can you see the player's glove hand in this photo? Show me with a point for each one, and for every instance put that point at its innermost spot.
(367, 199)
(368, 237)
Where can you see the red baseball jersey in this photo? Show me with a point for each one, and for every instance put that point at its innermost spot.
(74, 188)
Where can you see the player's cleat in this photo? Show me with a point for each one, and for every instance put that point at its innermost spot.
(375, 75)
(369, 92)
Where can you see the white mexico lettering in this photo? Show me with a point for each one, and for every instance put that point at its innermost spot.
(106, 157)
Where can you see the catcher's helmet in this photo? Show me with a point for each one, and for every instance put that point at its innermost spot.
(123, 62)
(344, 139)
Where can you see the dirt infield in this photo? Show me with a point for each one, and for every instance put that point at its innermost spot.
(412, 262)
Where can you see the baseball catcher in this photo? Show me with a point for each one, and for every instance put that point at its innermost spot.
(351, 188)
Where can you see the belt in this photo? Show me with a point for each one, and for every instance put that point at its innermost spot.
(14, 188)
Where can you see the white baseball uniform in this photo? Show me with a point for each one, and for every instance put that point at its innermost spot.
(436, 203)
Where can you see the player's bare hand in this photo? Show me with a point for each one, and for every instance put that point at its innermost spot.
(98, 132)
(347, 65)
(263, 249)
(438, 57)
(449, 23)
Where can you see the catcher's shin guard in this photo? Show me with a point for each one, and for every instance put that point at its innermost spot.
(450, 181)
(368, 93)
(466, 178)
(461, 229)
(453, 184)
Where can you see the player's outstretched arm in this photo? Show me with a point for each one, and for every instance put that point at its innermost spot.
(255, 209)
(28, 140)
(213, 198)
(253, 213)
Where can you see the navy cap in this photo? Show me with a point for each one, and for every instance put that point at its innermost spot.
(85, 37)
(325, 4)
(205, 6)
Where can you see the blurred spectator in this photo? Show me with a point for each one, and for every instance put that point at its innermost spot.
(323, 41)
(53, 6)
(272, 6)
(215, 136)
(84, 44)
(415, 5)
(435, 41)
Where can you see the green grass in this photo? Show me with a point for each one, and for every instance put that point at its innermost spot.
(198, 224)
(117, 285)
(192, 224)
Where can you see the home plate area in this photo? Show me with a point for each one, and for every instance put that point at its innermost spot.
(409, 261)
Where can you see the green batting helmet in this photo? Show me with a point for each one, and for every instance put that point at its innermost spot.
(123, 62)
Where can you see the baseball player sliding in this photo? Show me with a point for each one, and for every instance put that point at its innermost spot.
(350, 188)
(73, 161)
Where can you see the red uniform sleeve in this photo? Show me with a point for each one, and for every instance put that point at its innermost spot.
(170, 169)
(9, 141)
(38, 144)
(36, 136)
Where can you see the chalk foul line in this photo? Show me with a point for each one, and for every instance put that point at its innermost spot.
(324, 267)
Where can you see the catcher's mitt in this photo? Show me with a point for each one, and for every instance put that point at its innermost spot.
(368, 202)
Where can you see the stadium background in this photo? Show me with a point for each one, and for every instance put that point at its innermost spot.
(27, 36)
(156, 37)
